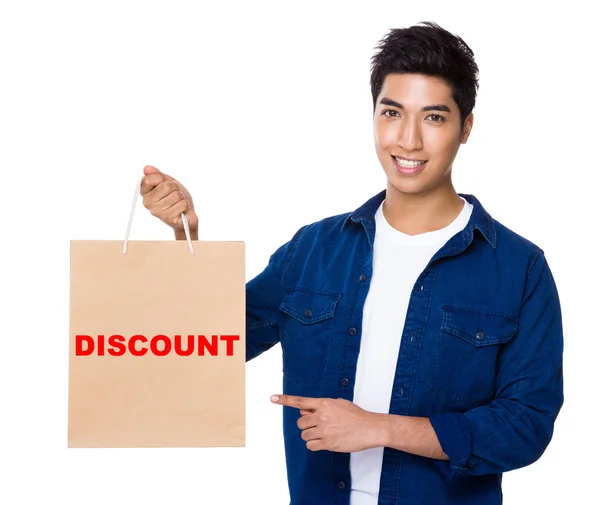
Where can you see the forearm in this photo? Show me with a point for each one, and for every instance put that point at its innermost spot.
(414, 435)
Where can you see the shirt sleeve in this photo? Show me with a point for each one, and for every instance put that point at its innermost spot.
(263, 297)
(514, 430)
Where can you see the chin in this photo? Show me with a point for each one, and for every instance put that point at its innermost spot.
(405, 184)
(407, 189)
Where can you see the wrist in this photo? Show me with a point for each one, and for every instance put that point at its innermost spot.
(180, 235)
(381, 432)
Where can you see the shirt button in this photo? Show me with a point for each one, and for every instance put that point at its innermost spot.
(341, 484)
(352, 331)
(345, 382)
(363, 278)
(422, 287)
(308, 313)
(412, 338)
(479, 335)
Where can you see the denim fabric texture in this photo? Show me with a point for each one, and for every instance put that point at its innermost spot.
(481, 354)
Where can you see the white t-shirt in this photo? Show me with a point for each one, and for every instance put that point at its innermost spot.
(398, 260)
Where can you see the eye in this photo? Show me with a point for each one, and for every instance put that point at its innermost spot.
(440, 119)
(394, 113)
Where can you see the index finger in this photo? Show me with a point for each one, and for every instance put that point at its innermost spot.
(149, 182)
(298, 402)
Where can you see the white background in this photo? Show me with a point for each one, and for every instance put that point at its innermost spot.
(263, 110)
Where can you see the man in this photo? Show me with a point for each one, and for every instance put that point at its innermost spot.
(422, 339)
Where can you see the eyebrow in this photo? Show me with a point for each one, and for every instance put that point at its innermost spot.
(393, 103)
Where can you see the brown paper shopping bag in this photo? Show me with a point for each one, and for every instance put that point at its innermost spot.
(157, 343)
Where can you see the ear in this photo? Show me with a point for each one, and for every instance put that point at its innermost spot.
(467, 126)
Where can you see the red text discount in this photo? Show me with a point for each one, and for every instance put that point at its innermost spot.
(159, 345)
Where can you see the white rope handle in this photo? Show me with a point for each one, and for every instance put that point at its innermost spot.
(186, 225)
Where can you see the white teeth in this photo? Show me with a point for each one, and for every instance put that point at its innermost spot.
(408, 164)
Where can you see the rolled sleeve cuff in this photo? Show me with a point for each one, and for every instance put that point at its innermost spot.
(454, 434)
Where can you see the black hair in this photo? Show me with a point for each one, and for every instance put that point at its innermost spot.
(428, 50)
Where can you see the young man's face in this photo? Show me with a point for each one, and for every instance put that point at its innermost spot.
(403, 129)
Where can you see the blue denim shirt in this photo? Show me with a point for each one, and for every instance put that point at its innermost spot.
(481, 354)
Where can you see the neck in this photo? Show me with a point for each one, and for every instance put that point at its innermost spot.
(415, 213)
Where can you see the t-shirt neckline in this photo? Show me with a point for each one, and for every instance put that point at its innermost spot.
(386, 231)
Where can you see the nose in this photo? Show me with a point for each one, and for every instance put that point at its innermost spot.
(409, 135)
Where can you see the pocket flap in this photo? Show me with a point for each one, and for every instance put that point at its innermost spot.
(479, 327)
(309, 305)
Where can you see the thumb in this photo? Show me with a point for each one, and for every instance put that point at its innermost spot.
(149, 169)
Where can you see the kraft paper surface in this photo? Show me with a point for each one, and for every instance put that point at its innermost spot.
(157, 288)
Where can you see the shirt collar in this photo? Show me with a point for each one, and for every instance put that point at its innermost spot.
(479, 219)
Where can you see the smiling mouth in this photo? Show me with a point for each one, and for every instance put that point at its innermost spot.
(406, 164)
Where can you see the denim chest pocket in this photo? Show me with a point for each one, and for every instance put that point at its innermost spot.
(469, 342)
(306, 332)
